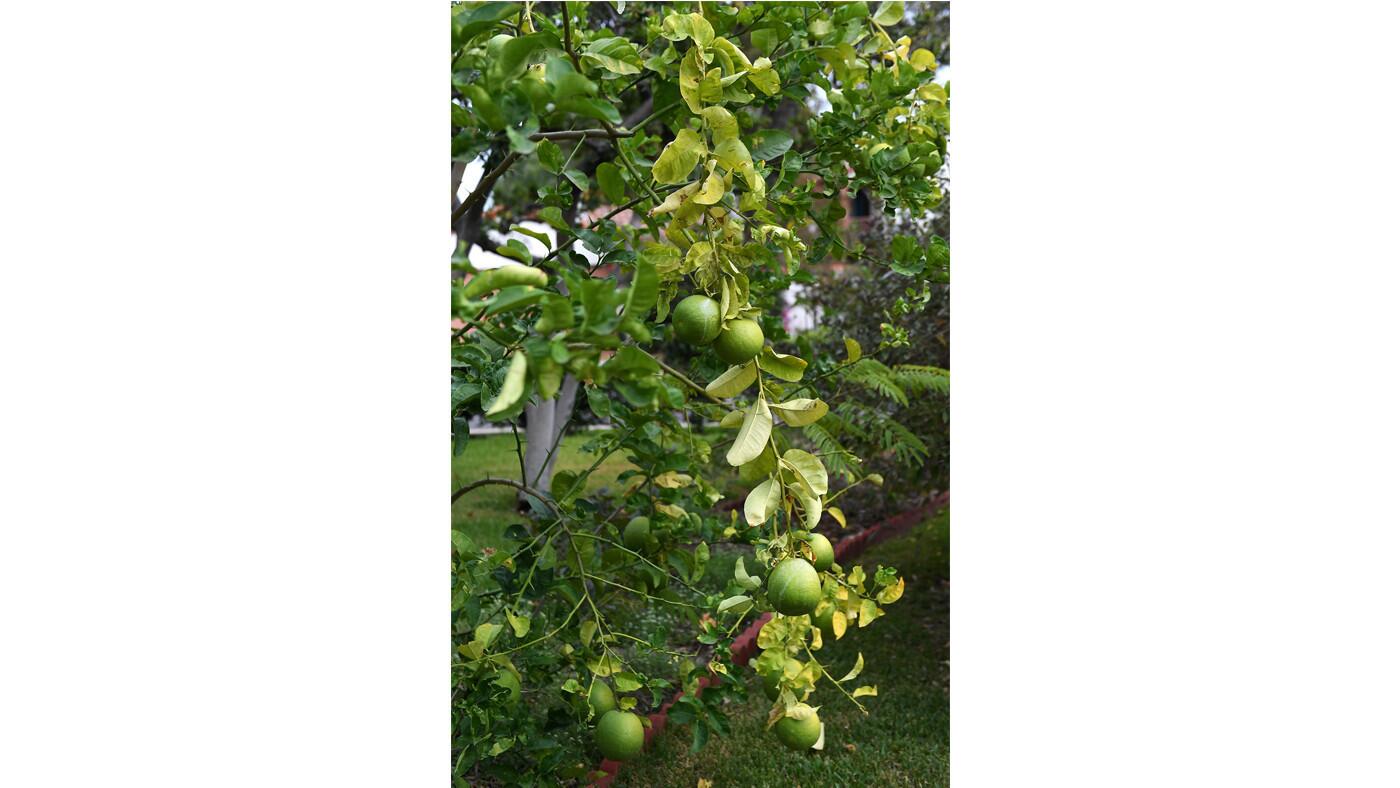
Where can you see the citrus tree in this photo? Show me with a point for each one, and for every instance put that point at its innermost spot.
(692, 156)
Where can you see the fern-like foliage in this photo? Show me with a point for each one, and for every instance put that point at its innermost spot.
(920, 379)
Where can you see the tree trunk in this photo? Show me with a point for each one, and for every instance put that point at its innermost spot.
(545, 422)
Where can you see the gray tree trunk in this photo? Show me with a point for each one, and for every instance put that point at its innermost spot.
(545, 423)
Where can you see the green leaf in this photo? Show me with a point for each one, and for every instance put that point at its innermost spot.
(732, 381)
(809, 467)
(906, 255)
(769, 144)
(560, 485)
(740, 601)
(627, 681)
(743, 578)
(782, 366)
(753, 434)
(641, 297)
(510, 299)
(577, 178)
(554, 218)
(800, 412)
(467, 25)
(678, 27)
(610, 181)
(515, 55)
(551, 158)
(513, 388)
(679, 158)
(520, 625)
(615, 54)
(762, 501)
(890, 12)
(590, 107)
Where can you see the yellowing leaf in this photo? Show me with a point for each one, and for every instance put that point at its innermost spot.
(678, 27)
(753, 434)
(891, 593)
(889, 12)
(712, 191)
(675, 200)
(679, 158)
(732, 154)
(861, 692)
(514, 386)
(801, 412)
(922, 59)
(809, 469)
(763, 77)
(852, 350)
(838, 624)
(869, 612)
(672, 480)
(855, 671)
(762, 502)
(732, 420)
(837, 514)
(781, 365)
(520, 625)
(721, 122)
(732, 382)
(692, 70)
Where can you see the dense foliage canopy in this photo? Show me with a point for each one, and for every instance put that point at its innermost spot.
(690, 160)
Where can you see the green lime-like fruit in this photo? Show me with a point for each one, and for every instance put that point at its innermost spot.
(794, 588)
(739, 341)
(696, 320)
(799, 734)
(601, 698)
(771, 686)
(620, 735)
(636, 534)
(823, 555)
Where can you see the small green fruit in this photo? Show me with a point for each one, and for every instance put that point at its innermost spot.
(696, 320)
(771, 686)
(601, 698)
(637, 533)
(799, 734)
(739, 341)
(794, 588)
(823, 554)
(620, 736)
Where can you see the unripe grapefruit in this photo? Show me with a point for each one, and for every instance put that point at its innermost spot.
(794, 588)
(823, 555)
(634, 536)
(771, 680)
(601, 698)
(799, 734)
(696, 320)
(619, 735)
(739, 341)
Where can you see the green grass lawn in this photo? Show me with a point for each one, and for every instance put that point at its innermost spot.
(484, 513)
(904, 740)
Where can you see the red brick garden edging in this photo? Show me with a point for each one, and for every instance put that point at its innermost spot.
(746, 644)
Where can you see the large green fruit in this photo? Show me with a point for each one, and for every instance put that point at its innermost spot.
(824, 556)
(601, 698)
(634, 536)
(620, 735)
(739, 341)
(696, 320)
(771, 681)
(794, 588)
(799, 734)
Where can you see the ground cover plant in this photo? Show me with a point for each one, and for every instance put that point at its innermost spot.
(674, 153)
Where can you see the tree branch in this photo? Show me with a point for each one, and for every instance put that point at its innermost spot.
(530, 491)
(478, 195)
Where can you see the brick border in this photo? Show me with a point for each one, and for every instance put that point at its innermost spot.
(746, 644)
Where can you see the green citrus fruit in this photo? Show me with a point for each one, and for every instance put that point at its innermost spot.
(601, 698)
(739, 341)
(620, 735)
(696, 320)
(635, 535)
(794, 588)
(799, 734)
(824, 555)
(771, 681)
